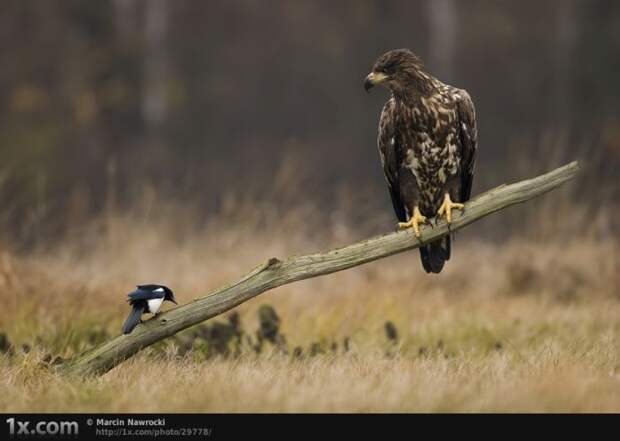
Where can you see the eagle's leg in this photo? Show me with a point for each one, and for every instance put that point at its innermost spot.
(447, 206)
(414, 222)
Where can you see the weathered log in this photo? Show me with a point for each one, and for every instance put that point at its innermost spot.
(275, 272)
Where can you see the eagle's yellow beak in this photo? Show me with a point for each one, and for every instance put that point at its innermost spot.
(373, 79)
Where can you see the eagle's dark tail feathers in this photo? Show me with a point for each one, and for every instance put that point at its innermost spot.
(435, 254)
(133, 319)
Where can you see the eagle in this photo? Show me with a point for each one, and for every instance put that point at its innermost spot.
(427, 143)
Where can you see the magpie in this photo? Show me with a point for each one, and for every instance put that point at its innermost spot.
(146, 299)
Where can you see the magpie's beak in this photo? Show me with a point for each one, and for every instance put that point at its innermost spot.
(173, 301)
(373, 79)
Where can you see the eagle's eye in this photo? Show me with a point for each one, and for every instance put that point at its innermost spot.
(382, 70)
(388, 68)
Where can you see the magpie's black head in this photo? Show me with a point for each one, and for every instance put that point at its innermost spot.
(168, 294)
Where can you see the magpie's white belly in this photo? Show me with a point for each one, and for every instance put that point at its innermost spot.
(154, 305)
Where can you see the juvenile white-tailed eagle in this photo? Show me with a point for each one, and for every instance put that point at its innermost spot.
(427, 142)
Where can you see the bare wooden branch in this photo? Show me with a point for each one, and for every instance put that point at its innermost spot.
(275, 272)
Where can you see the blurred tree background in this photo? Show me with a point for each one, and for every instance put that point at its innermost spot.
(196, 100)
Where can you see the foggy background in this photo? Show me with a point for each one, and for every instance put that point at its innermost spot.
(104, 103)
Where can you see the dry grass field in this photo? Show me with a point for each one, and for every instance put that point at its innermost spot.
(529, 323)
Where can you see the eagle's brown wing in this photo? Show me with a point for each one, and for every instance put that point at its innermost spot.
(387, 141)
(469, 142)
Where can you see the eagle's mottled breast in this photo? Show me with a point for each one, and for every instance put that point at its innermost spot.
(429, 142)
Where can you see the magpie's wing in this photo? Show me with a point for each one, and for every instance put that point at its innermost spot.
(144, 294)
(141, 294)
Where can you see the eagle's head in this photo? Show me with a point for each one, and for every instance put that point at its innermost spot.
(401, 71)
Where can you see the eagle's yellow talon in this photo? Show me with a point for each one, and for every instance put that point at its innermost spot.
(447, 206)
(414, 222)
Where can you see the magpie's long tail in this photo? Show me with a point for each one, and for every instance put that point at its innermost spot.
(435, 254)
(133, 319)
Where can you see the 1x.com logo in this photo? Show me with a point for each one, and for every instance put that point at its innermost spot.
(42, 427)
